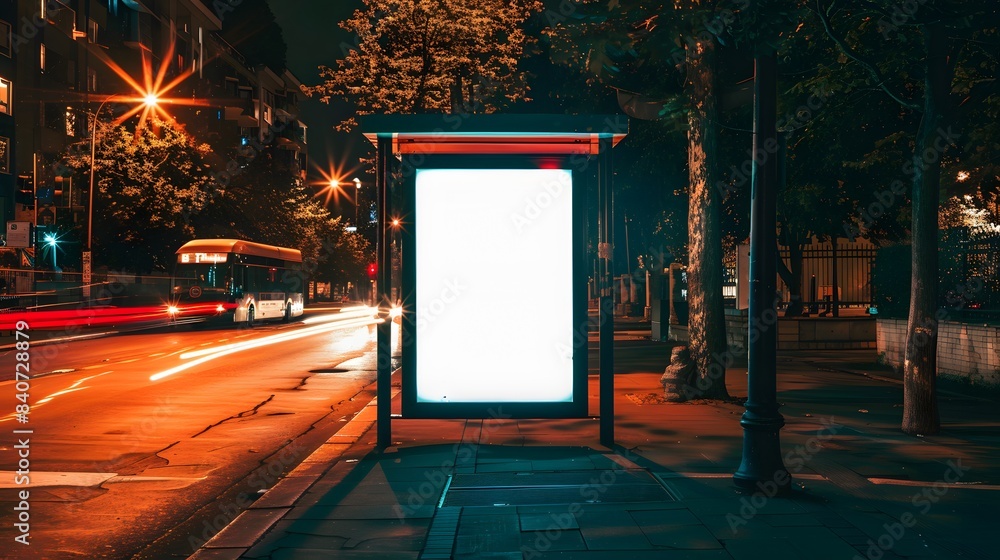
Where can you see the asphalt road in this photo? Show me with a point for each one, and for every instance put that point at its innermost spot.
(145, 444)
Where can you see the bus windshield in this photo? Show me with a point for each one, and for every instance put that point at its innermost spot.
(209, 277)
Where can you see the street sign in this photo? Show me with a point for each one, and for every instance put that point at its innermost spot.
(19, 234)
(86, 274)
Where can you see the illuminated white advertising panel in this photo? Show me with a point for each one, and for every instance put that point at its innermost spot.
(494, 285)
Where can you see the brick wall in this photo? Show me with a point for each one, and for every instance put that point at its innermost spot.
(964, 351)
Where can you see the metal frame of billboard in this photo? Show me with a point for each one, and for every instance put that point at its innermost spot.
(412, 406)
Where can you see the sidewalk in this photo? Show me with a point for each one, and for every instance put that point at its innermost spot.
(547, 489)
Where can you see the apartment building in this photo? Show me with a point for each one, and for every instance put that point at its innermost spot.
(62, 61)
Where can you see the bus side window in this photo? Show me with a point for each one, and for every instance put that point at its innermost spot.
(237, 283)
(255, 278)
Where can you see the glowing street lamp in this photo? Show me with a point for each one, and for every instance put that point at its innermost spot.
(52, 242)
(150, 100)
(149, 95)
(357, 201)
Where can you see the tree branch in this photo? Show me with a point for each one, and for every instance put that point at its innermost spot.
(871, 68)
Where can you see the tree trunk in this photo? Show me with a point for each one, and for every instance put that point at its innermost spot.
(920, 411)
(707, 319)
(791, 275)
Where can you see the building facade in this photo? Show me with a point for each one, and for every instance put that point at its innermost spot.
(64, 61)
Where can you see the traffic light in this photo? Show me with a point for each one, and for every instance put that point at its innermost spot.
(372, 270)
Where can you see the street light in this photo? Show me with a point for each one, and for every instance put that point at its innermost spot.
(150, 100)
(357, 191)
(52, 241)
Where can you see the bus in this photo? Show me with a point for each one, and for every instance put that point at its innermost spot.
(236, 280)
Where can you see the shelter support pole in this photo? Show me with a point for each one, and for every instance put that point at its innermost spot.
(605, 280)
(383, 252)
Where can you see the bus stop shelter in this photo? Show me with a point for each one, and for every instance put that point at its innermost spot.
(492, 215)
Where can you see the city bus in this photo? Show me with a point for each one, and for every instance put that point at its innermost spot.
(236, 280)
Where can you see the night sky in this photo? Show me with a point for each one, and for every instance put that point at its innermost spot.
(313, 36)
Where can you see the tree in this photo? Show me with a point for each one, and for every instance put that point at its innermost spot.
(267, 203)
(937, 61)
(436, 56)
(707, 322)
(149, 181)
(650, 47)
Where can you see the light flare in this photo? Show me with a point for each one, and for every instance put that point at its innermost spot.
(211, 354)
(150, 95)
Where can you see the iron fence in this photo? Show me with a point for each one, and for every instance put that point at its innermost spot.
(968, 277)
(44, 289)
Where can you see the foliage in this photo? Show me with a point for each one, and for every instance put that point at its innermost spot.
(879, 89)
(936, 60)
(664, 57)
(979, 213)
(148, 182)
(267, 203)
(431, 56)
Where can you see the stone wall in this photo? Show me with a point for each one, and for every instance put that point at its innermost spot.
(799, 333)
(967, 352)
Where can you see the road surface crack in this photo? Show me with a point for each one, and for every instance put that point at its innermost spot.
(242, 414)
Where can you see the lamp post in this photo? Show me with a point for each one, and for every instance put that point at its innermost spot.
(148, 100)
(357, 192)
(51, 240)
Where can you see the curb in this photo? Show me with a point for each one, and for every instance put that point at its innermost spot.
(249, 526)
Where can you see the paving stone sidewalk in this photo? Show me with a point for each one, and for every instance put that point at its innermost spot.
(528, 489)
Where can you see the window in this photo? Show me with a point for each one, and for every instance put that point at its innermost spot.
(268, 103)
(6, 96)
(70, 122)
(92, 29)
(5, 38)
(91, 80)
(41, 58)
